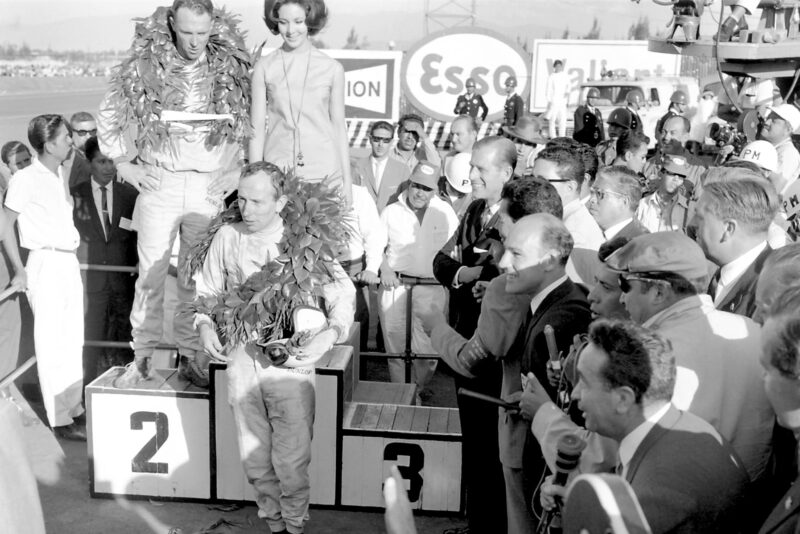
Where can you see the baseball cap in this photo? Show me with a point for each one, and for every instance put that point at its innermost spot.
(762, 153)
(661, 252)
(424, 174)
(789, 113)
(675, 164)
(456, 170)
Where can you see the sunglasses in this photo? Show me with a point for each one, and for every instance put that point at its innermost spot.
(421, 187)
(538, 177)
(85, 132)
(402, 131)
(381, 140)
(625, 282)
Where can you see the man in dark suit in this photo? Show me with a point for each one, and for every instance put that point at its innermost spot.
(589, 120)
(686, 477)
(381, 174)
(82, 126)
(103, 214)
(733, 235)
(615, 196)
(463, 266)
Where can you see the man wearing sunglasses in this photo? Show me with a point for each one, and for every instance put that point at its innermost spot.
(663, 277)
(82, 126)
(381, 174)
(413, 144)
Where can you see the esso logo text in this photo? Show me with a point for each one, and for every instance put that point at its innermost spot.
(436, 69)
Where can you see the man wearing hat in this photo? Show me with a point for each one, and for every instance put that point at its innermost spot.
(455, 187)
(589, 120)
(528, 138)
(514, 106)
(663, 278)
(618, 121)
(762, 154)
(678, 103)
(672, 141)
(667, 208)
(417, 226)
(781, 122)
(471, 102)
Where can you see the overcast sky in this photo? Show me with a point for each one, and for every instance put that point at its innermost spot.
(106, 24)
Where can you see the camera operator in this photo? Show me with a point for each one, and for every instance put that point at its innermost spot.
(781, 121)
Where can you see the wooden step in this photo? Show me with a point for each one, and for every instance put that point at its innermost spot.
(384, 393)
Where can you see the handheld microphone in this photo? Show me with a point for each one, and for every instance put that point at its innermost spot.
(568, 455)
(552, 348)
(513, 408)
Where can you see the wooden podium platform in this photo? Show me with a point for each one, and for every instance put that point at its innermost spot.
(168, 440)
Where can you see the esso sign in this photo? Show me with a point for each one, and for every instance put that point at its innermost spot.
(435, 69)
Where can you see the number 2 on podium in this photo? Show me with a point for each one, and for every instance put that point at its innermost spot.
(141, 462)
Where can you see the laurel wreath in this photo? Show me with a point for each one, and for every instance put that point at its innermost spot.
(260, 308)
(150, 81)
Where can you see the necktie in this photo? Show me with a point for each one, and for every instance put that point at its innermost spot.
(713, 285)
(104, 207)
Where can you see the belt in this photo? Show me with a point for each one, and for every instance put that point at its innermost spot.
(56, 249)
(346, 264)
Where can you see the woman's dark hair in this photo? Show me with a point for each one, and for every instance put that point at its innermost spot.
(316, 14)
(42, 129)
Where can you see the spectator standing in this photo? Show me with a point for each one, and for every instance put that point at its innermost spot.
(413, 144)
(631, 150)
(529, 140)
(381, 174)
(557, 94)
(667, 208)
(614, 199)
(455, 187)
(15, 156)
(673, 139)
(678, 104)
(37, 198)
(514, 106)
(634, 101)
(82, 126)
(471, 103)
(619, 121)
(103, 215)
(589, 120)
(417, 226)
(782, 121)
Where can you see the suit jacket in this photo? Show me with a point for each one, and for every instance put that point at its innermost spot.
(741, 299)
(632, 229)
(77, 169)
(687, 478)
(513, 110)
(588, 126)
(567, 311)
(469, 246)
(785, 518)
(120, 249)
(471, 106)
(394, 175)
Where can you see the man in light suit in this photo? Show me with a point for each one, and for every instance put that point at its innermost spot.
(381, 174)
(106, 239)
(686, 477)
(734, 235)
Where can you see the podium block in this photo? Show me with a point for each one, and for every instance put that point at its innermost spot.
(149, 441)
(425, 443)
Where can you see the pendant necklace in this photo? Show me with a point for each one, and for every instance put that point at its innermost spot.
(296, 121)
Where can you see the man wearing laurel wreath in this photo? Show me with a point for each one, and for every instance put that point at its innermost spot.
(184, 96)
(255, 257)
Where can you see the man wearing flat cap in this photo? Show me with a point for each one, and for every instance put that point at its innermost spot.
(781, 122)
(663, 278)
(667, 208)
(417, 226)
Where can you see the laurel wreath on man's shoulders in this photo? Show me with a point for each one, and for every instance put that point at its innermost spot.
(148, 82)
(261, 307)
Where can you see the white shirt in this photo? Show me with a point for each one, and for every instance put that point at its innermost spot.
(614, 230)
(651, 214)
(541, 295)
(378, 166)
(45, 209)
(580, 223)
(731, 272)
(788, 162)
(631, 442)
(411, 246)
(97, 195)
(367, 234)
(558, 88)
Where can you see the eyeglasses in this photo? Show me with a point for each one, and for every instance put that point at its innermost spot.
(421, 187)
(600, 194)
(85, 132)
(402, 131)
(381, 140)
(538, 177)
(625, 283)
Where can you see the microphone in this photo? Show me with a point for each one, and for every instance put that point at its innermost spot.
(552, 348)
(568, 455)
